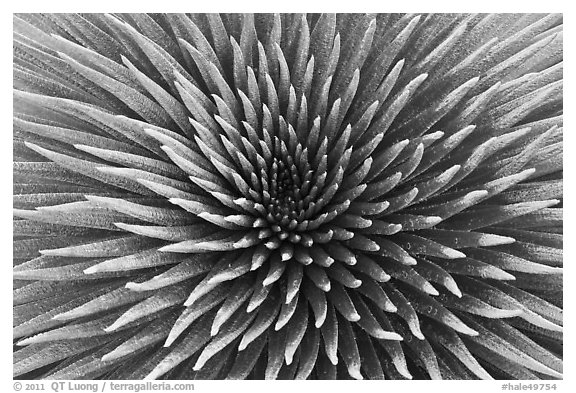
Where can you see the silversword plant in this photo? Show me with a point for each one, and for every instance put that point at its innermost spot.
(288, 196)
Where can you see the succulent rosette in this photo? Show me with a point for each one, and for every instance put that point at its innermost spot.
(288, 196)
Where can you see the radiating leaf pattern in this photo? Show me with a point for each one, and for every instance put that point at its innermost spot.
(288, 196)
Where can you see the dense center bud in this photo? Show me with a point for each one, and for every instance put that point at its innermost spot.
(284, 191)
(285, 205)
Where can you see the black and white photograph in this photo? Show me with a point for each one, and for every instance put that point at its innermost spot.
(287, 196)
